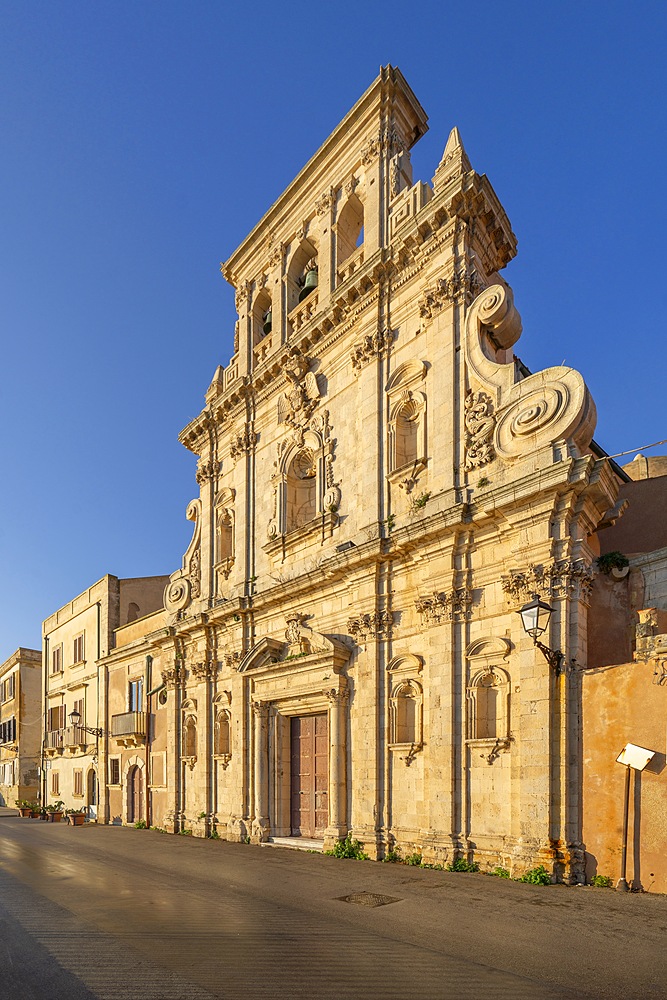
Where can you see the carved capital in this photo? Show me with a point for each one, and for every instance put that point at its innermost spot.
(260, 709)
(337, 696)
(204, 671)
(174, 676)
(372, 346)
(206, 471)
(243, 440)
(325, 202)
(445, 606)
(560, 578)
(377, 624)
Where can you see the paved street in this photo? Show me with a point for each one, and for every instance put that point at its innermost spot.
(107, 912)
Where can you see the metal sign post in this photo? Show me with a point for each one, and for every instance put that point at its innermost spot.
(633, 758)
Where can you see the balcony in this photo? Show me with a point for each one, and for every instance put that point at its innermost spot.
(349, 266)
(54, 742)
(129, 729)
(74, 738)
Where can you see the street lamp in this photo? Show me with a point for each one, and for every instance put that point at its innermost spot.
(75, 720)
(535, 617)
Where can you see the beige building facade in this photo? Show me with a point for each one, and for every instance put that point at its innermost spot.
(381, 486)
(20, 726)
(75, 638)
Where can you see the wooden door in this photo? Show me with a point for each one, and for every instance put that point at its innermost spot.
(136, 795)
(310, 776)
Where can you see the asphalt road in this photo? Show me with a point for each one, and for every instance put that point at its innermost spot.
(109, 913)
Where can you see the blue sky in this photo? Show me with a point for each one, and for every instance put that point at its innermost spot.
(142, 141)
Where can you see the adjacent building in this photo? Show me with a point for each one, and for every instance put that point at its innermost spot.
(20, 726)
(75, 638)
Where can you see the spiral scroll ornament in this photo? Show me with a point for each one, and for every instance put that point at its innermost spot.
(177, 595)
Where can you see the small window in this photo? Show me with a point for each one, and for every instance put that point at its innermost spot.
(163, 697)
(55, 783)
(78, 781)
(114, 771)
(57, 660)
(8, 688)
(79, 649)
(80, 707)
(136, 695)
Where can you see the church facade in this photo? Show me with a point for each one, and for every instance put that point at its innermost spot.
(381, 485)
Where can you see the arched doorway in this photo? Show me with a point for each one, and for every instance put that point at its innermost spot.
(135, 795)
(91, 793)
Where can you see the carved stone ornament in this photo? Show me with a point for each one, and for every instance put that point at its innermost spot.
(185, 584)
(294, 622)
(206, 471)
(389, 140)
(651, 642)
(325, 202)
(243, 440)
(297, 404)
(351, 185)
(232, 660)
(242, 295)
(560, 578)
(338, 696)
(464, 284)
(480, 423)
(173, 676)
(372, 346)
(204, 671)
(376, 624)
(452, 606)
(275, 250)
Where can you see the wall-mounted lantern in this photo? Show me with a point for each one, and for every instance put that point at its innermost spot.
(535, 617)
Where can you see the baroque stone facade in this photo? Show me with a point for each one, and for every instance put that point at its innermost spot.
(380, 484)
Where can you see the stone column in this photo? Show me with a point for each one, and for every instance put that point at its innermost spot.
(260, 825)
(338, 699)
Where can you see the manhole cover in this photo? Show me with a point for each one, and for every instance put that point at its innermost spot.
(368, 899)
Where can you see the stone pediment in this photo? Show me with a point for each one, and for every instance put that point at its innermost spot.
(302, 647)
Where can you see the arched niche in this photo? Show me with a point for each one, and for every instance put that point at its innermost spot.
(349, 232)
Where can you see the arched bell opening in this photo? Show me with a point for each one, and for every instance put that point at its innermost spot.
(302, 274)
(349, 233)
(262, 316)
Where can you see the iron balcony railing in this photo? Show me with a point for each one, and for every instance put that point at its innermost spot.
(129, 724)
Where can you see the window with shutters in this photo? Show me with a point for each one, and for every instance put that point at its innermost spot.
(8, 731)
(78, 782)
(57, 659)
(56, 718)
(79, 648)
(55, 783)
(114, 770)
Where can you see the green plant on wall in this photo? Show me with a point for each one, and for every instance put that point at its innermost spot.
(348, 848)
(536, 876)
(612, 560)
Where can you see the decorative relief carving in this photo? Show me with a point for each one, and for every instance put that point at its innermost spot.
(337, 695)
(204, 671)
(480, 423)
(325, 202)
(376, 624)
(464, 283)
(206, 471)
(351, 185)
(232, 660)
(294, 622)
(389, 140)
(560, 578)
(296, 406)
(260, 710)
(241, 295)
(185, 583)
(275, 250)
(195, 573)
(651, 642)
(372, 346)
(445, 607)
(173, 676)
(243, 440)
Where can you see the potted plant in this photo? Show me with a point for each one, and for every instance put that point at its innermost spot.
(24, 807)
(75, 817)
(34, 810)
(55, 811)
